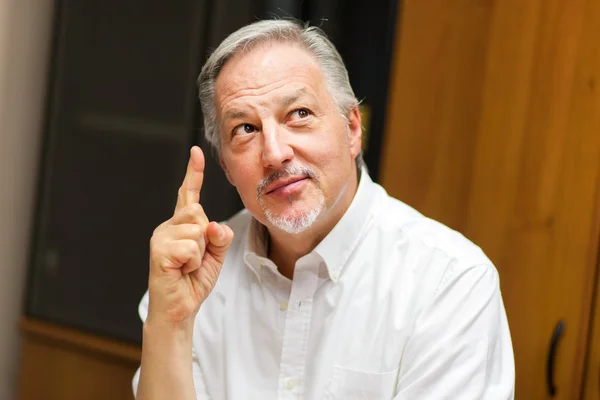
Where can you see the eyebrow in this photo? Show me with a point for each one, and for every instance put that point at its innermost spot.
(234, 114)
(286, 101)
(290, 99)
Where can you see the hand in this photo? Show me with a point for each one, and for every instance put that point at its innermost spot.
(186, 253)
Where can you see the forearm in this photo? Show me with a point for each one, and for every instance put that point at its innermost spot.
(166, 369)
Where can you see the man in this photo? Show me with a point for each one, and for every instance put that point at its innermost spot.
(327, 287)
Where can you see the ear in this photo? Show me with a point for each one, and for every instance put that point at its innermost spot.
(225, 169)
(355, 132)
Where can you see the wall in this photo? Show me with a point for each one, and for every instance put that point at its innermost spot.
(25, 39)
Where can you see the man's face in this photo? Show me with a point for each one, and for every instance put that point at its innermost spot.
(284, 145)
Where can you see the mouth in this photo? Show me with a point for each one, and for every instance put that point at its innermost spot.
(286, 187)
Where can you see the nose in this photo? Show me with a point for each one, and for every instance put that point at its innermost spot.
(276, 147)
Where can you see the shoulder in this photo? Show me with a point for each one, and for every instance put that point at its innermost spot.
(408, 226)
(427, 260)
(434, 254)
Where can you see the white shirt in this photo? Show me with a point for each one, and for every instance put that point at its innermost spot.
(390, 305)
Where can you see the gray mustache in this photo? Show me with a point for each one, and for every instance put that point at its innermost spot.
(290, 170)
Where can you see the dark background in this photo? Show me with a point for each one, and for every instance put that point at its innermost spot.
(122, 113)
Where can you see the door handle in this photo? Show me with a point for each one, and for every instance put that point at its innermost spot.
(552, 349)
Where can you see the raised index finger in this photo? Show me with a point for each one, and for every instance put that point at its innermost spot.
(189, 192)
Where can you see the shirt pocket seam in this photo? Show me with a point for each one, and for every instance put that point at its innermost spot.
(349, 384)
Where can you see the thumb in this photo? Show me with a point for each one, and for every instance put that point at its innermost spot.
(220, 237)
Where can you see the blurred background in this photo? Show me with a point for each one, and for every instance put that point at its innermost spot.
(484, 115)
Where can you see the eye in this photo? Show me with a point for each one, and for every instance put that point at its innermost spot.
(300, 114)
(243, 129)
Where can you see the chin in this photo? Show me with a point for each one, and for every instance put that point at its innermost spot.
(293, 220)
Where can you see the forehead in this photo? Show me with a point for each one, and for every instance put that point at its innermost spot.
(265, 69)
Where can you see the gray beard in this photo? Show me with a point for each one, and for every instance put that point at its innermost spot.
(296, 224)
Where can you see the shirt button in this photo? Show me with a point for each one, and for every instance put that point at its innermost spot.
(335, 276)
(290, 384)
(283, 305)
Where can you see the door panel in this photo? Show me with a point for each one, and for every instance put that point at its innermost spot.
(493, 129)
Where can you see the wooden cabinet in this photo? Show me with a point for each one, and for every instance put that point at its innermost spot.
(59, 363)
(493, 128)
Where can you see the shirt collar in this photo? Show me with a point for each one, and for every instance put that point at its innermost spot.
(339, 243)
(336, 247)
(255, 254)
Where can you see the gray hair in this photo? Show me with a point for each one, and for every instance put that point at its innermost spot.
(312, 38)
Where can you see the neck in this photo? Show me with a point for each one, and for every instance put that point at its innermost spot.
(285, 249)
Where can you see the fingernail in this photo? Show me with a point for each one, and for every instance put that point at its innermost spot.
(221, 233)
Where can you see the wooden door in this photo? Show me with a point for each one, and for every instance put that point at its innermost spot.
(494, 129)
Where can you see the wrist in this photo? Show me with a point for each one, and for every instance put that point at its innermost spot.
(166, 370)
(172, 344)
(178, 330)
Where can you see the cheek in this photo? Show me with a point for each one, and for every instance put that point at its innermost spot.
(330, 150)
(245, 176)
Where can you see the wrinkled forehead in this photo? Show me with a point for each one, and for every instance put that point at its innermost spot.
(266, 67)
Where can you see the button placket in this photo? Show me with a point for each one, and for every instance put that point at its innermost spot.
(283, 305)
(296, 331)
(290, 384)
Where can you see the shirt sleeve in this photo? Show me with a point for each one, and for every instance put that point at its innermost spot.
(199, 386)
(461, 346)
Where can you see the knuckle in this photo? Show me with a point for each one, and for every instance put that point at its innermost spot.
(193, 213)
(155, 249)
(177, 215)
(154, 241)
(195, 230)
(192, 246)
(196, 208)
(158, 230)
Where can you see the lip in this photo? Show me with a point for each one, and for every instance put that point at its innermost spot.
(284, 184)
